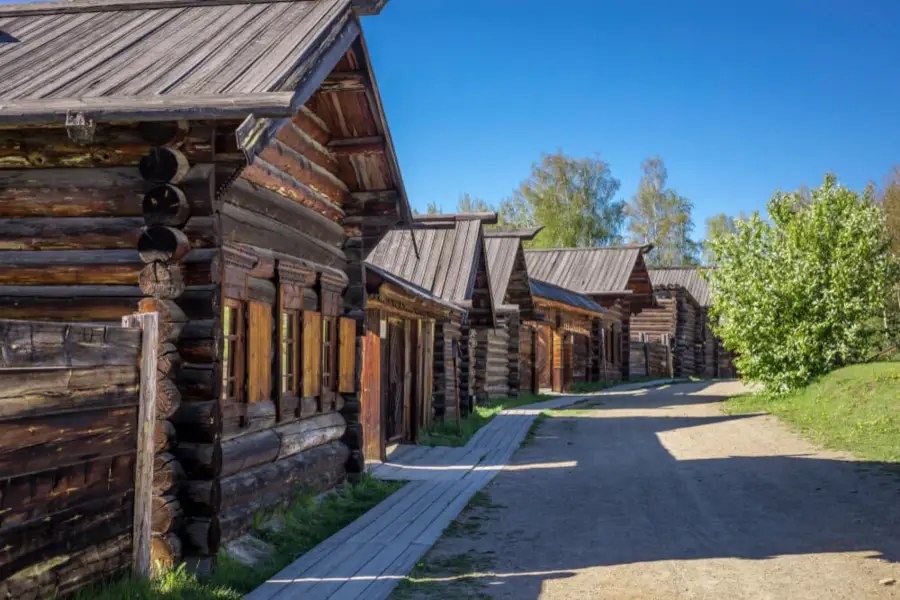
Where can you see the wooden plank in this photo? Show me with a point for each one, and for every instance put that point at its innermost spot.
(31, 392)
(347, 356)
(143, 478)
(25, 344)
(259, 376)
(42, 443)
(312, 353)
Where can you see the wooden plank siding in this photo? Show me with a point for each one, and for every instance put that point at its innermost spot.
(67, 454)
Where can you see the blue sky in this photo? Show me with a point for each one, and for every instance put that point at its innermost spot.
(738, 98)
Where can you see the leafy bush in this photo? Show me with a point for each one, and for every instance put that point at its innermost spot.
(803, 294)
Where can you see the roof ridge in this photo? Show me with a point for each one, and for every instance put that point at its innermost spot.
(81, 6)
(591, 248)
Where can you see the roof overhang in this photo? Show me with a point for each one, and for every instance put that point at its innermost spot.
(433, 306)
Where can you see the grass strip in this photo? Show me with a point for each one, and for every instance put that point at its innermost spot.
(856, 409)
(305, 523)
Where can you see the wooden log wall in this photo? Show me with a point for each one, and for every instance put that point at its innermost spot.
(512, 354)
(68, 414)
(121, 224)
(162, 247)
(528, 357)
(491, 364)
(447, 372)
(467, 343)
(580, 357)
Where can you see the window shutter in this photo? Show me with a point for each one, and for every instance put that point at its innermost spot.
(259, 353)
(312, 353)
(347, 356)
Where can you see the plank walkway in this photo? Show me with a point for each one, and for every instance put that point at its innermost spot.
(369, 557)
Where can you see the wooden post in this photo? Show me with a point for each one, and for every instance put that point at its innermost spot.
(143, 476)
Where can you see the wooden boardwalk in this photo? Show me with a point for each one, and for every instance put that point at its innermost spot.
(368, 558)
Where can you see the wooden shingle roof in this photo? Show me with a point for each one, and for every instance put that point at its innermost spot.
(503, 248)
(446, 262)
(688, 278)
(586, 270)
(144, 59)
(548, 291)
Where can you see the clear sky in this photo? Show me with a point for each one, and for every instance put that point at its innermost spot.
(738, 98)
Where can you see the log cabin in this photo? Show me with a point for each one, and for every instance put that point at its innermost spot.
(227, 165)
(451, 264)
(514, 304)
(398, 360)
(614, 277)
(557, 347)
(682, 320)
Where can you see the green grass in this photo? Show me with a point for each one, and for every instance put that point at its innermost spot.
(855, 409)
(306, 524)
(444, 433)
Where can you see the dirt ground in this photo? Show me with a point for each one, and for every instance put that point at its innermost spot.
(657, 494)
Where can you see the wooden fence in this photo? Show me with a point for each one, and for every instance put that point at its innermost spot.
(76, 453)
(652, 357)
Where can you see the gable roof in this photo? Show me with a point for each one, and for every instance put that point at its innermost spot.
(165, 58)
(446, 264)
(688, 278)
(503, 248)
(586, 270)
(548, 291)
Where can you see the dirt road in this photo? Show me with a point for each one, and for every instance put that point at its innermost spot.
(657, 495)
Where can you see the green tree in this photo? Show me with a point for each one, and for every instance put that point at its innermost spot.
(890, 201)
(717, 225)
(468, 204)
(658, 215)
(433, 208)
(573, 199)
(802, 293)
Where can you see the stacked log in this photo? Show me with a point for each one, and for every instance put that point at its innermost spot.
(491, 365)
(512, 354)
(162, 247)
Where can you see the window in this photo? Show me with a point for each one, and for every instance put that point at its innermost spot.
(233, 350)
(290, 358)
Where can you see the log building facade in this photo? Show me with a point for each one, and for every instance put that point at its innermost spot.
(444, 255)
(511, 290)
(556, 346)
(234, 185)
(681, 322)
(615, 278)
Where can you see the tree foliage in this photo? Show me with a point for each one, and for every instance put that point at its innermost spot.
(433, 208)
(718, 224)
(469, 204)
(572, 198)
(804, 293)
(658, 215)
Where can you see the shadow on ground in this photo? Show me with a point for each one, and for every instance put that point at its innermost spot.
(624, 484)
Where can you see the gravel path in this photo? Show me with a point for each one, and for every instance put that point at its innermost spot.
(656, 494)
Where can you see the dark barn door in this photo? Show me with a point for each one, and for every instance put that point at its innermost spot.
(392, 383)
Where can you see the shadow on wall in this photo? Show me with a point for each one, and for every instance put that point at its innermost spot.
(623, 498)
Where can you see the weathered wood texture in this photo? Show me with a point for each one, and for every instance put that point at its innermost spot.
(491, 365)
(67, 454)
(447, 339)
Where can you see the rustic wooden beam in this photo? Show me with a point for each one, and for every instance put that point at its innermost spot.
(345, 81)
(143, 478)
(361, 145)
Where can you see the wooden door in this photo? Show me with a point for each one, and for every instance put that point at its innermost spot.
(544, 350)
(568, 362)
(373, 442)
(526, 363)
(556, 359)
(393, 382)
